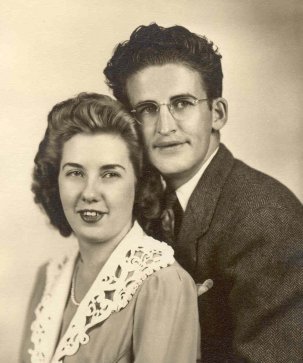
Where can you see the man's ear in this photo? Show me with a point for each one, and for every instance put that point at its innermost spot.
(219, 113)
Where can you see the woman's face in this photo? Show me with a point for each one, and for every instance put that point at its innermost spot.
(97, 187)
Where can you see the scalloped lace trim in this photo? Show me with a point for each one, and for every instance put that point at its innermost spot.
(135, 258)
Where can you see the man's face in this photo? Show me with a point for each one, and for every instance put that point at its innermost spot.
(176, 147)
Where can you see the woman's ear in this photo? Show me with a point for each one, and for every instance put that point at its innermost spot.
(219, 113)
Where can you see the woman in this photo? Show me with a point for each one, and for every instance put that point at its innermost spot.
(119, 296)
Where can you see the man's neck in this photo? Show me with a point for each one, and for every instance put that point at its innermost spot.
(185, 190)
(175, 181)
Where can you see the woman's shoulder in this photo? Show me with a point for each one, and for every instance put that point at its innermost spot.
(171, 271)
(41, 275)
(34, 299)
(46, 272)
(174, 273)
(168, 287)
(38, 286)
(173, 279)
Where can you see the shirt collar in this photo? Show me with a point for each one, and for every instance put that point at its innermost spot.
(184, 191)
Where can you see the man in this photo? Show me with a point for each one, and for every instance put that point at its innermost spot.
(240, 228)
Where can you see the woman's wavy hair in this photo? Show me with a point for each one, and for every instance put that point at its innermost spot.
(157, 45)
(90, 113)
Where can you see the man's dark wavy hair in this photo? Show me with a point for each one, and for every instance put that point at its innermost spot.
(156, 45)
(90, 113)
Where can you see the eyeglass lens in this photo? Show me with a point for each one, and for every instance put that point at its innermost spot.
(179, 108)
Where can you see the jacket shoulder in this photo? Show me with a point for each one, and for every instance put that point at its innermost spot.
(255, 188)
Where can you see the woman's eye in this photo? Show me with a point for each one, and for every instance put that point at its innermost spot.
(75, 173)
(110, 175)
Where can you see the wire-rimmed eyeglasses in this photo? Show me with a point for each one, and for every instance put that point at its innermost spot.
(180, 108)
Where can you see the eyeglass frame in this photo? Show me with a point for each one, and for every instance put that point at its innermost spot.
(169, 106)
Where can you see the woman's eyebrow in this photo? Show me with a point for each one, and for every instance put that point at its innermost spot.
(112, 166)
(73, 165)
(103, 167)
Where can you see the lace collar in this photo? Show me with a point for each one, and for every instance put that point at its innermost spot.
(133, 260)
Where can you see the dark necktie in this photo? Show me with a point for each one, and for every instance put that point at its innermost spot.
(171, 217)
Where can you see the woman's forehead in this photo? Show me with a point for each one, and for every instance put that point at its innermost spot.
(101, 148)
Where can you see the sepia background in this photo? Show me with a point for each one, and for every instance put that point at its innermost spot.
(51, 50)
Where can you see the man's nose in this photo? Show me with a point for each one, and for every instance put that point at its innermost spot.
(166, 123)
(91, 191)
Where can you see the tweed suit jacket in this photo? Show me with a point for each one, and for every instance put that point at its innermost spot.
(244, 230)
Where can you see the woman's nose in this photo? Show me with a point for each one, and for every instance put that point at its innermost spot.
(91, 191)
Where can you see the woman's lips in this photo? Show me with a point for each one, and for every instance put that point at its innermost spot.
(91, 216)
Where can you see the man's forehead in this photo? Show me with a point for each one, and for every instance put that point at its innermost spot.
(162, 82)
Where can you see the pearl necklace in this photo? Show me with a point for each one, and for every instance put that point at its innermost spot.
(72, 290)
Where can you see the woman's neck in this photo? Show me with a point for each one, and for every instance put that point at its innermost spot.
(94, 254)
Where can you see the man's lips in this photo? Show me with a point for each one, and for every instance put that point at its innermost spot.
(168, 144)
(91, 215)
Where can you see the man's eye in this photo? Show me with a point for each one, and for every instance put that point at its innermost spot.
(180, 104)
(148, 108)
(75, 173)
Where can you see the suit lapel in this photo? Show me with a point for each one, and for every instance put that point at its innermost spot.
(201, 207)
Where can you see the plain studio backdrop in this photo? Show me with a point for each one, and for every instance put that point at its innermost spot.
(52, 50)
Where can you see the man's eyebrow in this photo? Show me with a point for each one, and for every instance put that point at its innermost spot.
(171, 98)
(143, 102)
(182, 95)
